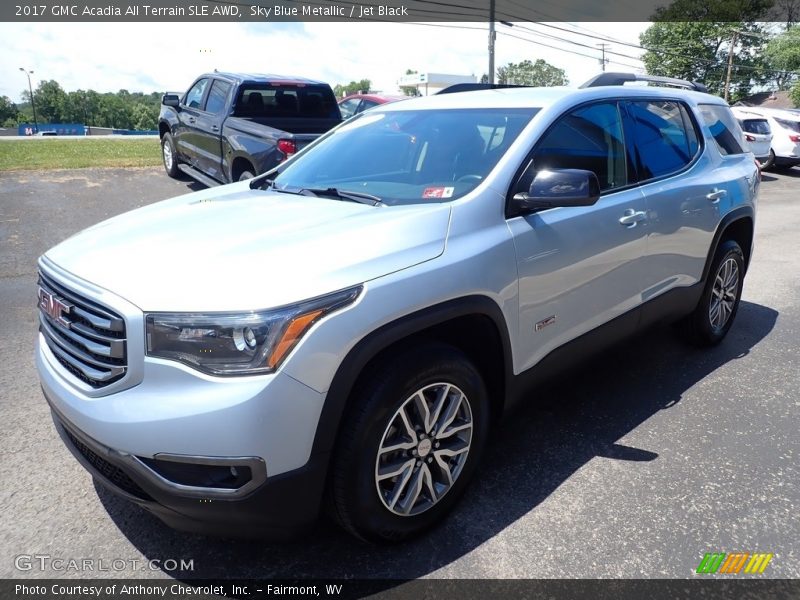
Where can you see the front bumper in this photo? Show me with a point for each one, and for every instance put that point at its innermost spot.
(281, 507)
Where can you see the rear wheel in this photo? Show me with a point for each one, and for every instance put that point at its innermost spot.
(410, 444)
(169, 155)
(713, 317)
(245, 175)
(770, 162)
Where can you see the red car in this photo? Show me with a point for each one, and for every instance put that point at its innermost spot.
(356, 103)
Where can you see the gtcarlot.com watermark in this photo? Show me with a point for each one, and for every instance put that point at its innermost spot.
(47, 562)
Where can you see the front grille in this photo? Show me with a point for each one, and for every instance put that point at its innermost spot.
(87, 339)
(111, 472)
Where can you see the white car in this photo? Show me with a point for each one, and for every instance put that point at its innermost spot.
(757, 134)
(785, 126)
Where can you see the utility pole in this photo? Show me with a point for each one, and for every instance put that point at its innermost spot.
(492, 37)
(603, 59)
(33, 106)
(730, 63)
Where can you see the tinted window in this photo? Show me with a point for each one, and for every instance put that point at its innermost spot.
(589, 138)
(664, 137)
(217, 95)
(760, 126)
(194, 96)
(723, 127)
(408, 156)
(286, 100)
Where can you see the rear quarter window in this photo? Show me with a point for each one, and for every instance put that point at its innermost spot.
(724, 128)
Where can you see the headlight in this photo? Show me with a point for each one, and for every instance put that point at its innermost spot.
(238, 343)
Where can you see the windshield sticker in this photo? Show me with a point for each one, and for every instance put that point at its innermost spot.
(438, 192)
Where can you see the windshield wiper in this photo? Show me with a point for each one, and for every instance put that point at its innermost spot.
(361, 197)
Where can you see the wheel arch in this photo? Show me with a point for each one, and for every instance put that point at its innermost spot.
(737, 225)
(240, 164)
(474, 324)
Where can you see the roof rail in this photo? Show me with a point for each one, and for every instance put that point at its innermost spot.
(622, 78)
(471, 87)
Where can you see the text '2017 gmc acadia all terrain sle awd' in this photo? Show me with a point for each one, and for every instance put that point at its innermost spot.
(342, 332)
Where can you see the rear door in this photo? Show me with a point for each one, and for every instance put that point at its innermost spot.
(690, 179)
(579, 267)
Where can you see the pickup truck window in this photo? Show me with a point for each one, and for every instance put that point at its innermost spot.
(217, 96)
(409, 156)
(262, 101)
(194, 97)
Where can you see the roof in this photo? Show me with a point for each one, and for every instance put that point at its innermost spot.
(543, 97)
(238, 78)
(768, 100)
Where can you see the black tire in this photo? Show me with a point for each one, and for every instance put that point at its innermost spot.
(354, 491)
(245, 175)
(770, 162)
(698, 327)
(169, 156)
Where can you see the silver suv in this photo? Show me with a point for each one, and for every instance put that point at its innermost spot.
(343, 332)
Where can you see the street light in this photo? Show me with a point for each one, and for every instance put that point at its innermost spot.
(33, 106)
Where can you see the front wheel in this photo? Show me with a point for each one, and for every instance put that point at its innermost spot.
(169, 156)
(714, 314)
(410, 443)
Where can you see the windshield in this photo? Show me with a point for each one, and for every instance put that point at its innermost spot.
(409, 156)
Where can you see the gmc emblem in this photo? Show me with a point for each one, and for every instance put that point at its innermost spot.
(54, 307)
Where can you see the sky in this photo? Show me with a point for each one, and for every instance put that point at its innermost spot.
(150, 57)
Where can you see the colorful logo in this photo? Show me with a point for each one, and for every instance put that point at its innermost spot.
(733, 563)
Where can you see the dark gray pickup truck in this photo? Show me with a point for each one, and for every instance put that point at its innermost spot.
(229, 127)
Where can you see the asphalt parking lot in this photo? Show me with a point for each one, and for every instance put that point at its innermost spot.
(651, 456)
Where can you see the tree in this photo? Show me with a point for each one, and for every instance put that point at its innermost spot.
(783, 53)
(699, 50)
(50, 101)
(8, 111)
(354, 87)
(144, 117)
(794, 94)
(410, 90)
(539, 73)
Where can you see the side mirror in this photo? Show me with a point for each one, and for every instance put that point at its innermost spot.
(559, 187)
(171, 100)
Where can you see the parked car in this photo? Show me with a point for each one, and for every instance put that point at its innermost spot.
(785, 127)
(343, 332)
(356, 103)
(230, 127)
(757, 135)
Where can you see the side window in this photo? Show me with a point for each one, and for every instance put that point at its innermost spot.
(194, 97)
(588, 138)
(348, 107)
(724, 128)
(664, 137)
(217, 96)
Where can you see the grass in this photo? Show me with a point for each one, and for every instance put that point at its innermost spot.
(26, 155)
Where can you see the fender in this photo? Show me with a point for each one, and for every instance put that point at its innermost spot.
(370, 346)
(741, 212)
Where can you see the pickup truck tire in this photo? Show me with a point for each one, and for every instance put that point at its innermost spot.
(393, 474)
(714, 315)
(246, 175)
(169, 155)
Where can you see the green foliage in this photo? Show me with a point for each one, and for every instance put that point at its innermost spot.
(8, 112)
(538, 73)
(783, 53)
(698, 51)
(354, 87)
(794, 94)
(714, 10)
(121, 110)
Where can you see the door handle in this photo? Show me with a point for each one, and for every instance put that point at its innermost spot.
(716, 194)
(191, 119)
(214, 128)
(632, 217)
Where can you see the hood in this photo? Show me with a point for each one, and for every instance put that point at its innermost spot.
(232, 248)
